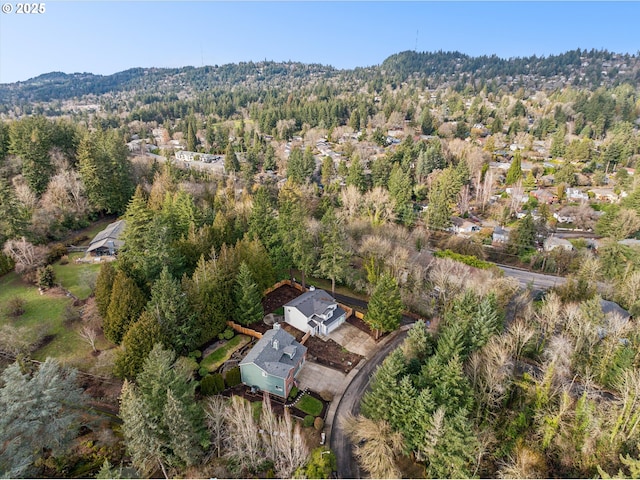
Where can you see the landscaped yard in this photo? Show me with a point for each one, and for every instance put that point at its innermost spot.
(78, 278)
(309, 405)
(216, 358)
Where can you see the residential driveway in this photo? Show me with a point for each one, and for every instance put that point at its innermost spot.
(319, 378)
(353, 339)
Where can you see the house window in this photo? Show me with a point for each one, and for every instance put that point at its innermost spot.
(264, 374)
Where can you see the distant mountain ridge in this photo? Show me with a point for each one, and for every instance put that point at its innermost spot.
(577, 67)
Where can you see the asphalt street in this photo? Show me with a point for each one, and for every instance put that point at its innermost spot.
(350, 403)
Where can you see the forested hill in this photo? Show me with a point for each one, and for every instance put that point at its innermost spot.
(577, 67)
(586, 68)
(61, 86)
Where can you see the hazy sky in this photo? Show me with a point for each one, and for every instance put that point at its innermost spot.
(108, 37)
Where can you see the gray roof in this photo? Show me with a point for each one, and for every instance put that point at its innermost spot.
(612, 308)
(317, 305)
(110, 234)
(276, 361)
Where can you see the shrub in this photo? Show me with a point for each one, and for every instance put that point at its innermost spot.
(46, 277)
(207, 385)
(203, 371)
(15, 306)
(318, 423)
(188, 363)
(218, 383)
(6, 264)
(195, 354)
(308, 420)
(56, 251)
(64, 260)
(293, 393)
(233, 377)
(71, 315)
(227, 334)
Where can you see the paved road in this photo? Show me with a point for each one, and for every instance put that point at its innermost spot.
(537, 280)
(350, 403)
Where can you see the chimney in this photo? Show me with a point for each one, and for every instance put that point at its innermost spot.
(275, 344)
(311, 288)
(276, 326)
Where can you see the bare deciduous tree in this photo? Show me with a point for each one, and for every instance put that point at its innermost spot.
(378, 206)
(26, 256)
(214, 411)
(377, 445)
(351, 201)
(89, 334)
(244, 444)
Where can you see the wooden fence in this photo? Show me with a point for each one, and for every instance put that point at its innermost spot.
(282, 283)
(246, 331)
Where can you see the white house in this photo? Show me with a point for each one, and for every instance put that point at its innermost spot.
(551, 243)
(314, 311)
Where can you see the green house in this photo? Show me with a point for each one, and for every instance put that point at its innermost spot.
(273, 363)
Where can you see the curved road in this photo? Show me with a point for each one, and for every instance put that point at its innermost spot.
(350, 403)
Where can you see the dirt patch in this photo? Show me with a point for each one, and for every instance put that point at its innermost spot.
(361, 325)
(279, 297)
(326, 352)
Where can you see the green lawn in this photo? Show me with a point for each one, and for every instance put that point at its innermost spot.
(216, 358)
(310, 405)
(44, 316)
(78, 278)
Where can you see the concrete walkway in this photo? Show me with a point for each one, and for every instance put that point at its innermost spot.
(354, 340)
(319, 378)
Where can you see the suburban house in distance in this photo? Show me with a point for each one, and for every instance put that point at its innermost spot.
(273, 363)
(314, 311)
(107, 242)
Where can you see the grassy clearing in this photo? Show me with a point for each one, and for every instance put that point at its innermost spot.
(78, 278)
(45, 316)
(216, 358)
(310, 405)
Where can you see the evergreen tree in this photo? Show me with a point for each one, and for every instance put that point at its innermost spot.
(269, 162)
(400, 187)
(334, 258)
(247, 297)
(137, 343)
(41, 412)
(515, 169)
(192, 139)
(231, 164)
(104, 285)
(384, 384)
(125, 305)
(298, 166)
(355, 175)
(328, 171)
(13, 216)
(163, 425)
(169, 306)
(385, 306)
(427, 124)
(106, 171)
(31, 138)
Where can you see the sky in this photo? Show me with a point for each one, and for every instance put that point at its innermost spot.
(108, 37)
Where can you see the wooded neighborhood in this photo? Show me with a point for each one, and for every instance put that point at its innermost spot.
(197, 270)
